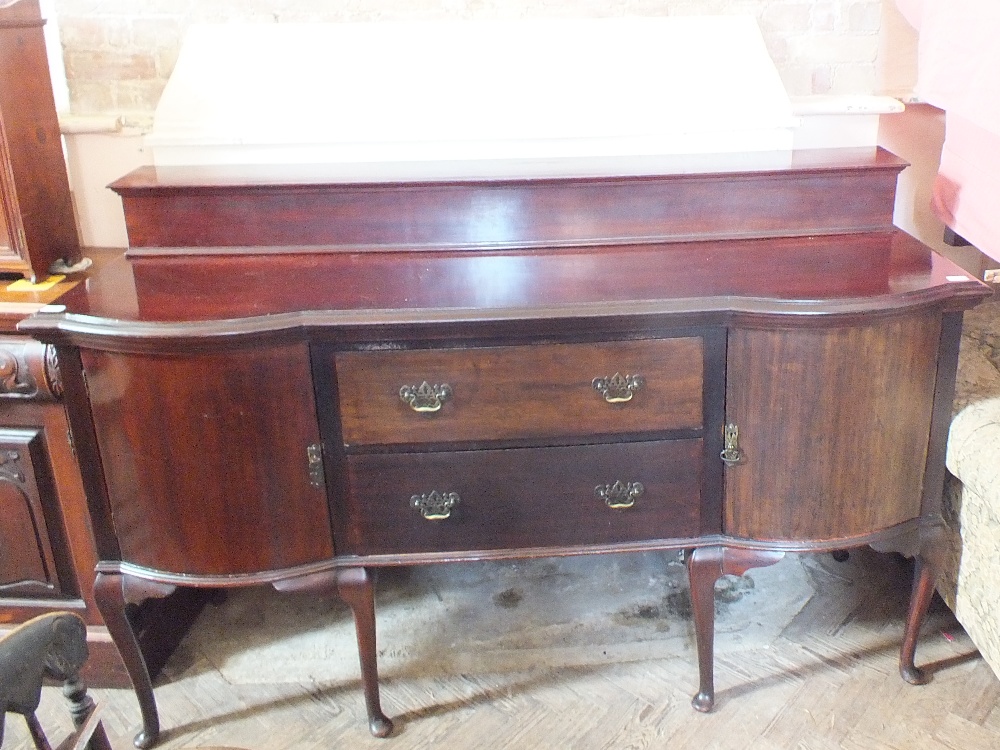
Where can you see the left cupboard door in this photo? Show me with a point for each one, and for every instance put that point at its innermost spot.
(206, 458)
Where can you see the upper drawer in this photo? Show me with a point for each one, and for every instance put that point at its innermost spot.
(512, 392)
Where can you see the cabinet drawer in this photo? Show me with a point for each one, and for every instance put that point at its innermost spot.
(522, 497)
(520, 391)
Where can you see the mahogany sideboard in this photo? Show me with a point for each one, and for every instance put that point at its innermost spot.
(296, 381)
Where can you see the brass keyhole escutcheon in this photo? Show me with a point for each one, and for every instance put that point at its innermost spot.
(731, 454)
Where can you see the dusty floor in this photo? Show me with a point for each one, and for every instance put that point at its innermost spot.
(588, 652)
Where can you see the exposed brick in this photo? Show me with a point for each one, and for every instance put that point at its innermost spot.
(797, 79)
(131, 46)
(83, 33)
(151, 34)
(795, 17)
(824, 17)
(138, 96)
(822, 80)
(777, 48)
(852, 79)
(865, 17)
(833, 48)
(109, 65)
(165, 59)
(90, 97)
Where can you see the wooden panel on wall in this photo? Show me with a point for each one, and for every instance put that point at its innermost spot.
(205, 458)
(833, 424)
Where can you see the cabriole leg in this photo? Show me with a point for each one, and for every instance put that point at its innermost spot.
(924, 579)
(111, 597)
(705, 566)
(357, 587)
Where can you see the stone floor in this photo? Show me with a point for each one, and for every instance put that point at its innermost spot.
(589, 652)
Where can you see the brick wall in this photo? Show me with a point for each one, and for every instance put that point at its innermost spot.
(119, 53)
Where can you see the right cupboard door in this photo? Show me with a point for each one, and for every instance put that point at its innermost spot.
(833, 427)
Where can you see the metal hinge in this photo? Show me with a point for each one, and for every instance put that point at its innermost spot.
(731, 454)
(314, 459)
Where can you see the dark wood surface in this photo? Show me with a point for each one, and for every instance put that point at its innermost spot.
(825, 346)
(38, 225)
(53, 566)
(845, 412)
(705, 566)
(67, 537)
(944, 394)
(526, 497)
(31, 535)
(542, 391)
(185, 303)
(822, 192)
(205, 459)
(110, 593)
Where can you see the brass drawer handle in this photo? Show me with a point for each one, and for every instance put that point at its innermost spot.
(425, 398)
(619, 495)
(619, 388)
(434, 505)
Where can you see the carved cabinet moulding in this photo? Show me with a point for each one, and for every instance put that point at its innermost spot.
(29, 370)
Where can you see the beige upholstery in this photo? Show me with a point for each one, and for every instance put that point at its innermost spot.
(970, 582)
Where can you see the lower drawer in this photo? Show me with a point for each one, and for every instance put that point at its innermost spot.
(522, 497)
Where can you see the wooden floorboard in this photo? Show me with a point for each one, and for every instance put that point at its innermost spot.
(828, 679)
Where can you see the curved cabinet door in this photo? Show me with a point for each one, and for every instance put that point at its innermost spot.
(206, 458)
(833, 426)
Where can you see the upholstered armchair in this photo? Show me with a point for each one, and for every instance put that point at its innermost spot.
(969, 582)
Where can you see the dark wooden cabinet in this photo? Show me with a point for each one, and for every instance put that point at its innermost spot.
(37, 226)
(389, 376)
(847, 409)
(47, 553)
(48, 550)
(30, 534)
(218, 462)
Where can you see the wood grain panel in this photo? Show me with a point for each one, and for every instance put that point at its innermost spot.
(205, 459)
(833, 425)
(523, 497)
(701, 196)
(31, 529)
(521, 391)
(176, 302)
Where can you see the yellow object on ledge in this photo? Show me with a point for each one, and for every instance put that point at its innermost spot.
(23, 285)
